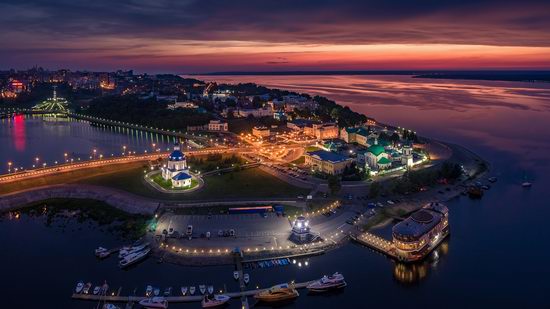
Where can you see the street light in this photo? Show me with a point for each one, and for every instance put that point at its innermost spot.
(9, 167)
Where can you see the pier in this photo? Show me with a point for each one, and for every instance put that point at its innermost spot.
(175, 299)
(376, 243)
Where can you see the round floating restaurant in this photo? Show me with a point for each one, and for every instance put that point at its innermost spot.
(420, 233)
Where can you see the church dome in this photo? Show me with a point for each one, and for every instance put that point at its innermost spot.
(176, 155)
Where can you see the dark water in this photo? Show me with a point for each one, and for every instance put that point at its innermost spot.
(497, 255)
(25, 138)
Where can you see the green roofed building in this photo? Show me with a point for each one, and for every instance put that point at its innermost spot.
(377, 157)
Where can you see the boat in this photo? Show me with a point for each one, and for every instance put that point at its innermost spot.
(104, 288)
(96, 290)
(100, 252)
(168, 291)
(327, 283)
(526, 184)
(202, 288)
(475, 192)
(236, 275)
(156, 291)
(278, 293)
(211, 301)
(125, 252)
(210, 289)
(79, 287)
(183, 290)
(86, 288)
(148, 291)
(110, 306)
(133, 258)
(492, 179)
(246, 278)
(154, 303)
(192, 290)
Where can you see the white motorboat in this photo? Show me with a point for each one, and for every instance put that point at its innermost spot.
(148, 291)
(100, 250)
(526, 184)
(210, 289)
(133, 258)
(110, 306)
(156, 291)
(86, 288)
(154, 303)
(192, 290)
(211, 301)
(79, 287)
(183, 290)
(246, 278)
(236, 275)
(336, 281)
(202, 288)
(125, 252)
(96, 290)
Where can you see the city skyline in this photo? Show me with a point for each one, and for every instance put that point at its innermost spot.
(206, 36)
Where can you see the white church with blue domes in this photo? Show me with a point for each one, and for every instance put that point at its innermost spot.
(176, 169)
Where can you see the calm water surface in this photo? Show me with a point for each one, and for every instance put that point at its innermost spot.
(497, 255)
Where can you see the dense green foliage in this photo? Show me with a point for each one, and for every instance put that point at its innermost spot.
(413, 181)
(329, 110)
(145, 112)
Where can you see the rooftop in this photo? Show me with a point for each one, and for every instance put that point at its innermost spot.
(328, 156)
(421, 221)
(181, 176)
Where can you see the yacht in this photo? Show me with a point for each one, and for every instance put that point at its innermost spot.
(236, 275)
(211, 301)
(96, 290)
(133, 258)
(154, 303)
(278, 293)
(79, 287)
(202, 288)
(246, 278)
(526, 184)
(210, 289)
(192, 290)
(183, 290)
(100, 252)
(336, 281)
(127, 251)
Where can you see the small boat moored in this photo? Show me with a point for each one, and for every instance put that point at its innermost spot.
(148, 291)
(168, 291)
(87, 288)
(202, 288)
(96, 290)
(133, 258)
(336, 281)
(154, 303)
(156, 291)
(526, 184)
(211, 301)
(110, 306)
(210, 289)
(236, 275)
(183, 290)
(79, 287)
(192, 290)
(246, 278)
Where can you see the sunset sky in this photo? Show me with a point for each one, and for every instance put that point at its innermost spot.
(189, 36)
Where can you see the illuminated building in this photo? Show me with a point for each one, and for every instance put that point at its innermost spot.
(419, 234)
(327, 162)
(53, 104)
(176, 169)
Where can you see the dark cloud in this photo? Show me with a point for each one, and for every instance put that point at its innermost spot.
(357, 22)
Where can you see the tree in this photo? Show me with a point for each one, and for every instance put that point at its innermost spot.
(374, 189)
(334, 184)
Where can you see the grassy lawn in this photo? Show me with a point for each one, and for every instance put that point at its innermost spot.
(247, 183)
(71, 177)
(312, 148)
(167, 184)
(206, 163)
(301, 160)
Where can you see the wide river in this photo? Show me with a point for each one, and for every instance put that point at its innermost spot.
(497, 254)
